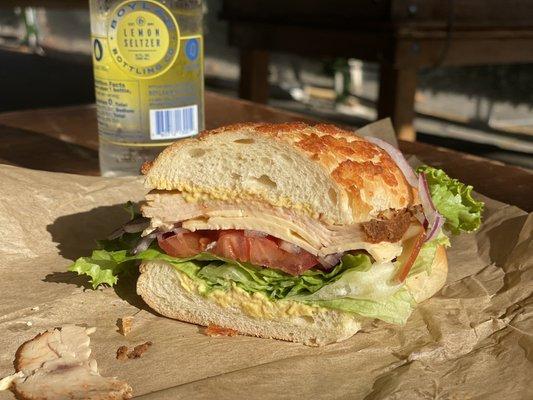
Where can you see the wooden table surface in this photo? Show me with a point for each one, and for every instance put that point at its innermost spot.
(65, 140)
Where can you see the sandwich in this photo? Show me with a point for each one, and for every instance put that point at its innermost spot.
(288, 231)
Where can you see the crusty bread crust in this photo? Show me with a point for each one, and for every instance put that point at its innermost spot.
(161, 288)
(352, 179)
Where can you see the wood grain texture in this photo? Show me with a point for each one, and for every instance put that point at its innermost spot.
(397, 88)
(427, 14)
(253, 83)
(65, 140)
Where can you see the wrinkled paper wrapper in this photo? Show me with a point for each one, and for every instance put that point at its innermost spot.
(473, 340)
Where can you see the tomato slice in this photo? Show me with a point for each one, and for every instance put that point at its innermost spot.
(262, 251)
(184, 244)
(232, 245)
(412, 242)
(235, 245)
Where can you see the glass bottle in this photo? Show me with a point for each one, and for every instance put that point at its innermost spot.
(148, 74)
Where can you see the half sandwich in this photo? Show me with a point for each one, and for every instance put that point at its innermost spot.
(287, 231)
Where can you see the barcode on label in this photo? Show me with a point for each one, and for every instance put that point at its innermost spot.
(172, 123)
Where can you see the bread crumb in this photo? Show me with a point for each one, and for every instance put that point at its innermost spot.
(215, 330)
(125, 325)
(139, 350)
(122, 353)
(146, 166)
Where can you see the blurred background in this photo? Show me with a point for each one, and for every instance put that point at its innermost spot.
(453, 74)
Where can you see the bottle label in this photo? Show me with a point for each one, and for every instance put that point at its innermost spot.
(148, 77)
(143, 38)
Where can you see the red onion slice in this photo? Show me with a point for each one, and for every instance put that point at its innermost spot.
(179, 230)
(166, 234)
(435, 220)
(330, 260)
(425, 196)
(136, 225)
(116, 233)
(433, 232)
(398, 158)
(143, 243)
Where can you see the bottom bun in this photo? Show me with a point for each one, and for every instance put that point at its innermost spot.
(173, 294)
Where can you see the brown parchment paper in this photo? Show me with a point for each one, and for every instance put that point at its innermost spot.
(473, 340)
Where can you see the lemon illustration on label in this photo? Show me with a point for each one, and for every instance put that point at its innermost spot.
(143, 38)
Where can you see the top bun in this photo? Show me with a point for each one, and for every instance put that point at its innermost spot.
(322, 170)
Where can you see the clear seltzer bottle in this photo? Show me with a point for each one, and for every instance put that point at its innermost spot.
(148, 77)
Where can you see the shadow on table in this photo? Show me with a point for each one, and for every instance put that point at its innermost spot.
(76, 236)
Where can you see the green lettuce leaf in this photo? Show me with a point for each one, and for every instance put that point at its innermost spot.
(395, 309)
(104, 265)
(453, 200)
(274, 283)
(132, 210)
(370, 282)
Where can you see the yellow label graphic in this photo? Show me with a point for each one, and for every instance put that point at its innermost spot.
(143, 38)
(148, 76)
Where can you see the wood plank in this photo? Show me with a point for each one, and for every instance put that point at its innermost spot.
(397, 88)
(429, 53)
(367, 45)
(253, 82)
(408, 48)
(383, 15)
(30, 149)
(433, 14)
(304, 12)
(470, 13)
(77, 124)
(409, 32)
(223, 110)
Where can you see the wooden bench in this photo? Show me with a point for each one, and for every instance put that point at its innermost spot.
(401, 35)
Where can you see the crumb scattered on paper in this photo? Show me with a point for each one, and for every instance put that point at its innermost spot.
(139, 350)
(215, 330)
(124, 353)
(55, 364)
(125, 325)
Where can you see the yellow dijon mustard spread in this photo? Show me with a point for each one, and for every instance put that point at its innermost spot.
(255, 305)
(192, 196)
